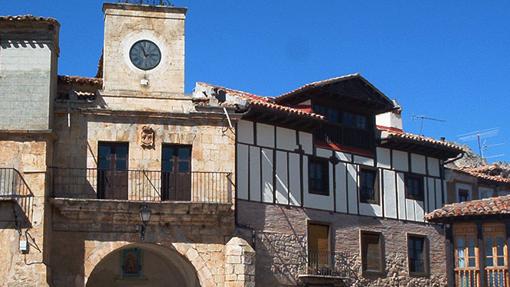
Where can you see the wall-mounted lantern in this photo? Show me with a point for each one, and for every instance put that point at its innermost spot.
(145, 217)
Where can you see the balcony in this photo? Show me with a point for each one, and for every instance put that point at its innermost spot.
(15, 192)
(327, 268)
(93, 194)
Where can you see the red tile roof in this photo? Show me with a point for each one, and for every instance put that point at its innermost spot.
(389, 133)
(28, 18)
(266, 102)
(483, 172)
(483, 207)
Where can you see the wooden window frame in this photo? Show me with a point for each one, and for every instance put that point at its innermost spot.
(325, 179)
(377, 187)
(409, 195)
(426, 255)
(381, 252)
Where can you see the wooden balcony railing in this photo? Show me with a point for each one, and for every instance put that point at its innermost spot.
(467, 277)
(142, 185)
(496, 276)
(13, 187)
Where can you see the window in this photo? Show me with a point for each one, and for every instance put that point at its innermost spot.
(463, 195)
(318, 176)
(417, 254)
(414, 187)
(176, 172)
(112, 173)
(368, 186)
(486, 192)
(318, 246)
(345, 128)
(371, 252)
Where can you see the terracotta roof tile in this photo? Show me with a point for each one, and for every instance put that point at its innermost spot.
(389, 133)
(482, 173)
(28, 18)
(266, 102)
(482, 207)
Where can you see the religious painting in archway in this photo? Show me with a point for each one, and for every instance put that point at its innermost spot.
(131, 262)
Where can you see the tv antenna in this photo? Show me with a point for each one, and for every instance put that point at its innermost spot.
(481, 137)
(424, 118)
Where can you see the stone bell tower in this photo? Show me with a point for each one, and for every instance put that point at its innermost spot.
(143, 49)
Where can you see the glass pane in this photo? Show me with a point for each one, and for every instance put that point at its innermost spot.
(121, 151)
(167, 166)
(501, 261)
(460, 252)
(488, 261)
(184, 166)
(184, 153)
(121, 164)
(168, 153)
(488, 247)
(500, 245)
(471, 247)
(472, 262)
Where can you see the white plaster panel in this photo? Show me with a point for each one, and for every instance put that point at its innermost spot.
(401, 196)
(419, 208)
(295, 179)
(363, 160)
(352, 188)
(282, 189)
(390, 194)
(439, 198)
(286, 139)
(418, 164)
(370, 209)
(410, 212)
(255, 189)
(433, 165)
(325, 153)
(305, 178)
(344, 156)
(245, 132)
(267, 175)
(265, 135)
(400, 161)
(341, 187)
(431, 194)
(306, 141)
(383, 157)
(242, 171)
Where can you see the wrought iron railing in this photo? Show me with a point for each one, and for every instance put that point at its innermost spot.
(324, 263)
(142, 185)
(13, 187)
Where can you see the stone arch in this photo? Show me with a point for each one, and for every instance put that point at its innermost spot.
(187, 255)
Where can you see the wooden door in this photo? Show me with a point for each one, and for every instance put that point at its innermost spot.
(112, 173)
(176, 173)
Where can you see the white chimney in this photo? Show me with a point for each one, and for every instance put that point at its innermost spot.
(392, 119)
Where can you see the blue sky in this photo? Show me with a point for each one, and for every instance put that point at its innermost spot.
(443, 59)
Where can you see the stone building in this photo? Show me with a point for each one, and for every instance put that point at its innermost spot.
(117, 180)
(124, 179)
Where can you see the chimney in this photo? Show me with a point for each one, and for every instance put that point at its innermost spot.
(391, 119)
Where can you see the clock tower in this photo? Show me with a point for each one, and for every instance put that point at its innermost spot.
(143, 49)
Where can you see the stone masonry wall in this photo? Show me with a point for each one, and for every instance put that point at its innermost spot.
(28, 155)
(281, 245)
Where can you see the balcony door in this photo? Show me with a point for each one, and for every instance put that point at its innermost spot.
(112, 173)
(176, 173)
(319, 256)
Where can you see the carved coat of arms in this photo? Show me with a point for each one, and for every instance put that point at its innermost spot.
(147, 137)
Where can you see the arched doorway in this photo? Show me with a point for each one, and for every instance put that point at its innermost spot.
(144, 265)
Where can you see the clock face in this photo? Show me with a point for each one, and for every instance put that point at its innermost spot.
(145, 55)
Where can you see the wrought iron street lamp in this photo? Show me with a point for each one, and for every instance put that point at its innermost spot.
(145, 217)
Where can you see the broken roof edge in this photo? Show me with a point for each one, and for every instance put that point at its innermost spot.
(28, 18)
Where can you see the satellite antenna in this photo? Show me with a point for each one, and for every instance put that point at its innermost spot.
(423, 118)
(481, 139)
